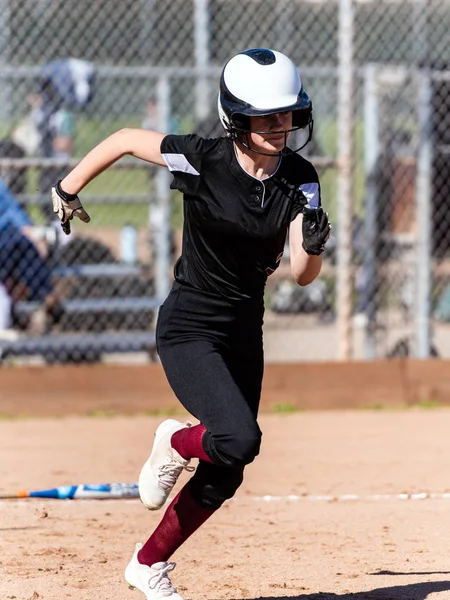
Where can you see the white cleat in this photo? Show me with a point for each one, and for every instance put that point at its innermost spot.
(152, 581)
(161, 471)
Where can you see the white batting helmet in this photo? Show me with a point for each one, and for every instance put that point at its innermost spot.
(260, 82)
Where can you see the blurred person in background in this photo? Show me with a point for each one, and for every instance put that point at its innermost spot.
(56, 127)
(14, 178)
(243, 193)
(66, 86)
(25, 272)
(152, 118)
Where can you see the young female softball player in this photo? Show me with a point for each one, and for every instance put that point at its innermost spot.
(242, 194)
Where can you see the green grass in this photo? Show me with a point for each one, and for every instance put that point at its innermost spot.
(102, 414)
(115, 216)
(163, 412)
(425, 404)
(157, 412)
(90, 132)
(180, 413)
(7, 417)
(16, 417)
(379, 406)
(285, 408)
(428, 403)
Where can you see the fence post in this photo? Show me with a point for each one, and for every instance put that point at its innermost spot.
(201, 33)
(345, 163)
(5, 45)
(371, 157)
(159, 219)
(423, 208)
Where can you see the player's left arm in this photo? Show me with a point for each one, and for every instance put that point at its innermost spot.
(308, 234)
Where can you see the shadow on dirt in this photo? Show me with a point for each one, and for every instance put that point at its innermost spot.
(413, 591)
(410, 573)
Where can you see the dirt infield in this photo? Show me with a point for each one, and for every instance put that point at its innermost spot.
(292, 532)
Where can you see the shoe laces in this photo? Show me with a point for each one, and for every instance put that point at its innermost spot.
(160, 580)
(170, 471)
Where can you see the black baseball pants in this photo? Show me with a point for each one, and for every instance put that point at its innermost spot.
(212, 353)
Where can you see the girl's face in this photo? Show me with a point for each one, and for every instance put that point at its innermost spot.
(276, 127)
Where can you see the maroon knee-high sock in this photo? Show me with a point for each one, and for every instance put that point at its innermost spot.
(183, 516)
(188, 443)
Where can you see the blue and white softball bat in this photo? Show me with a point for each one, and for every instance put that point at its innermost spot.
(96, 491)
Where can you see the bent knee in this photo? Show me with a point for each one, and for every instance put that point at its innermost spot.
(213, 493)
(238, 451)
(245, 449)
(235, 449)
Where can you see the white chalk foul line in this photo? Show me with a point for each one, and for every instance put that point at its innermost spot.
(269, 498)
(353, 497)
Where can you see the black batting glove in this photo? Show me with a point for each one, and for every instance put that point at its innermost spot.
(67, 206)
(316, 230)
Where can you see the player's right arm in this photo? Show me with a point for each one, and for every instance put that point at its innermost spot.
(140, 143)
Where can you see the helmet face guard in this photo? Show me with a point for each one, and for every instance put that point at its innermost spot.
(240, 130)
(258, 83)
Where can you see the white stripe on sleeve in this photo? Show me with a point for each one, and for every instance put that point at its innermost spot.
(178, 162)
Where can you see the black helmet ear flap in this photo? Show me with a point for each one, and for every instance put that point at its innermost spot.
(301, 118)
(241, 122)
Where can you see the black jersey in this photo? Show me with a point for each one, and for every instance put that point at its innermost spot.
(235, 225)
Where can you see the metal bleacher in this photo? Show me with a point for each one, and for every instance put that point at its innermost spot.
(92, 326)
(79, 347)
(96, 306)
(106, 306)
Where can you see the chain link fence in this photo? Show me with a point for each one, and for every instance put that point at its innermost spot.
(72, 73)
